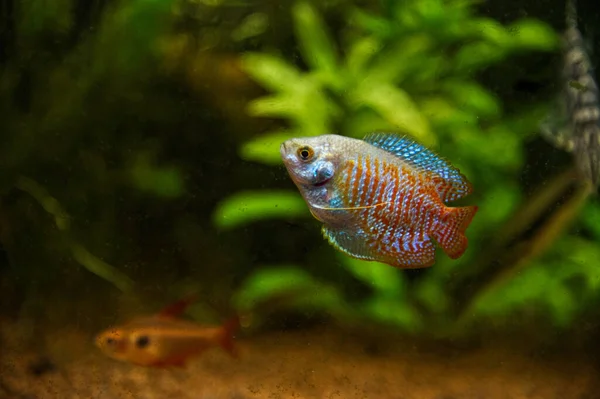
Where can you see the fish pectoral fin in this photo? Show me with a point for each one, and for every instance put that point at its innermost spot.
(314, 214)
(352, 244)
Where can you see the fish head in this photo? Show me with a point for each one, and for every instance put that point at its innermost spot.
(113, 342)
(134, 345)
(311, 161)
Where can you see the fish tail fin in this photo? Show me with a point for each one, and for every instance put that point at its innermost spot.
(228, 334)
(449, 232)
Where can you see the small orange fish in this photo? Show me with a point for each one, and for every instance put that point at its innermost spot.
(163, 340)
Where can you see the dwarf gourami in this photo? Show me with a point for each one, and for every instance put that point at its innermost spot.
(163, 340)
(381, 198)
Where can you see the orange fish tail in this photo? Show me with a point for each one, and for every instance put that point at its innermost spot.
(449, 232)
(227, 335)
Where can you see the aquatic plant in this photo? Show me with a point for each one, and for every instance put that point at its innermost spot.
(104, 156)
(412, 69)
(54, 150)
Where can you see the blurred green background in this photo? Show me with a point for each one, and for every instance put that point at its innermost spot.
(139, 155)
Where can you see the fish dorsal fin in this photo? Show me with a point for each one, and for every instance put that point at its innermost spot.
(450, 183)
(177, 308)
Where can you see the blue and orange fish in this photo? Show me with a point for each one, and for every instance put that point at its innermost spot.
(381, 198)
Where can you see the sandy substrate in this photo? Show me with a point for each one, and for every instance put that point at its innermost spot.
(311, 364)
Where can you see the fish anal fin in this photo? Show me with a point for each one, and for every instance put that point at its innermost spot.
(171, 363)
(406, 250)
(449, 182)
(354, 245)
(177, 308)
(410, 250)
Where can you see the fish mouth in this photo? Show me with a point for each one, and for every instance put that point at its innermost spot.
(283, 149)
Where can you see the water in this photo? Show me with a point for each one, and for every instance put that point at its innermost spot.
(140, 163)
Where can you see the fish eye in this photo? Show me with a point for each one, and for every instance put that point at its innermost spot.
(142, 341)
(305, 153)
(110, 341)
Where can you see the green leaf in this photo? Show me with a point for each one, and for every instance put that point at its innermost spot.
(316, 46)
(253, 25)
(527, 287)
(581, 259)
(531, 34)
(360, 53)
(48, 202)
(473, 97)
(431, 294)
(526, 122)
(474, 56)
(386, 280)
(498, 204)
(426, 72)
(545, 283)
(81, 255)
(396, 106)
(271, 72)
(265, 149)
(380, 27)
(364, 120)
(392, 311)
(100, 268)
(562, 305)
(277, 106)
(267, 281)
(442, 18)
(251, 206)
(310, 110)
(498, 147)
(445, 116)
(490, 30)
(288, 286)
(394, 64)
(127, 36)
(591, 219)
(163, 181)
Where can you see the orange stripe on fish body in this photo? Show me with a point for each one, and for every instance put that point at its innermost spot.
(397, 206)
